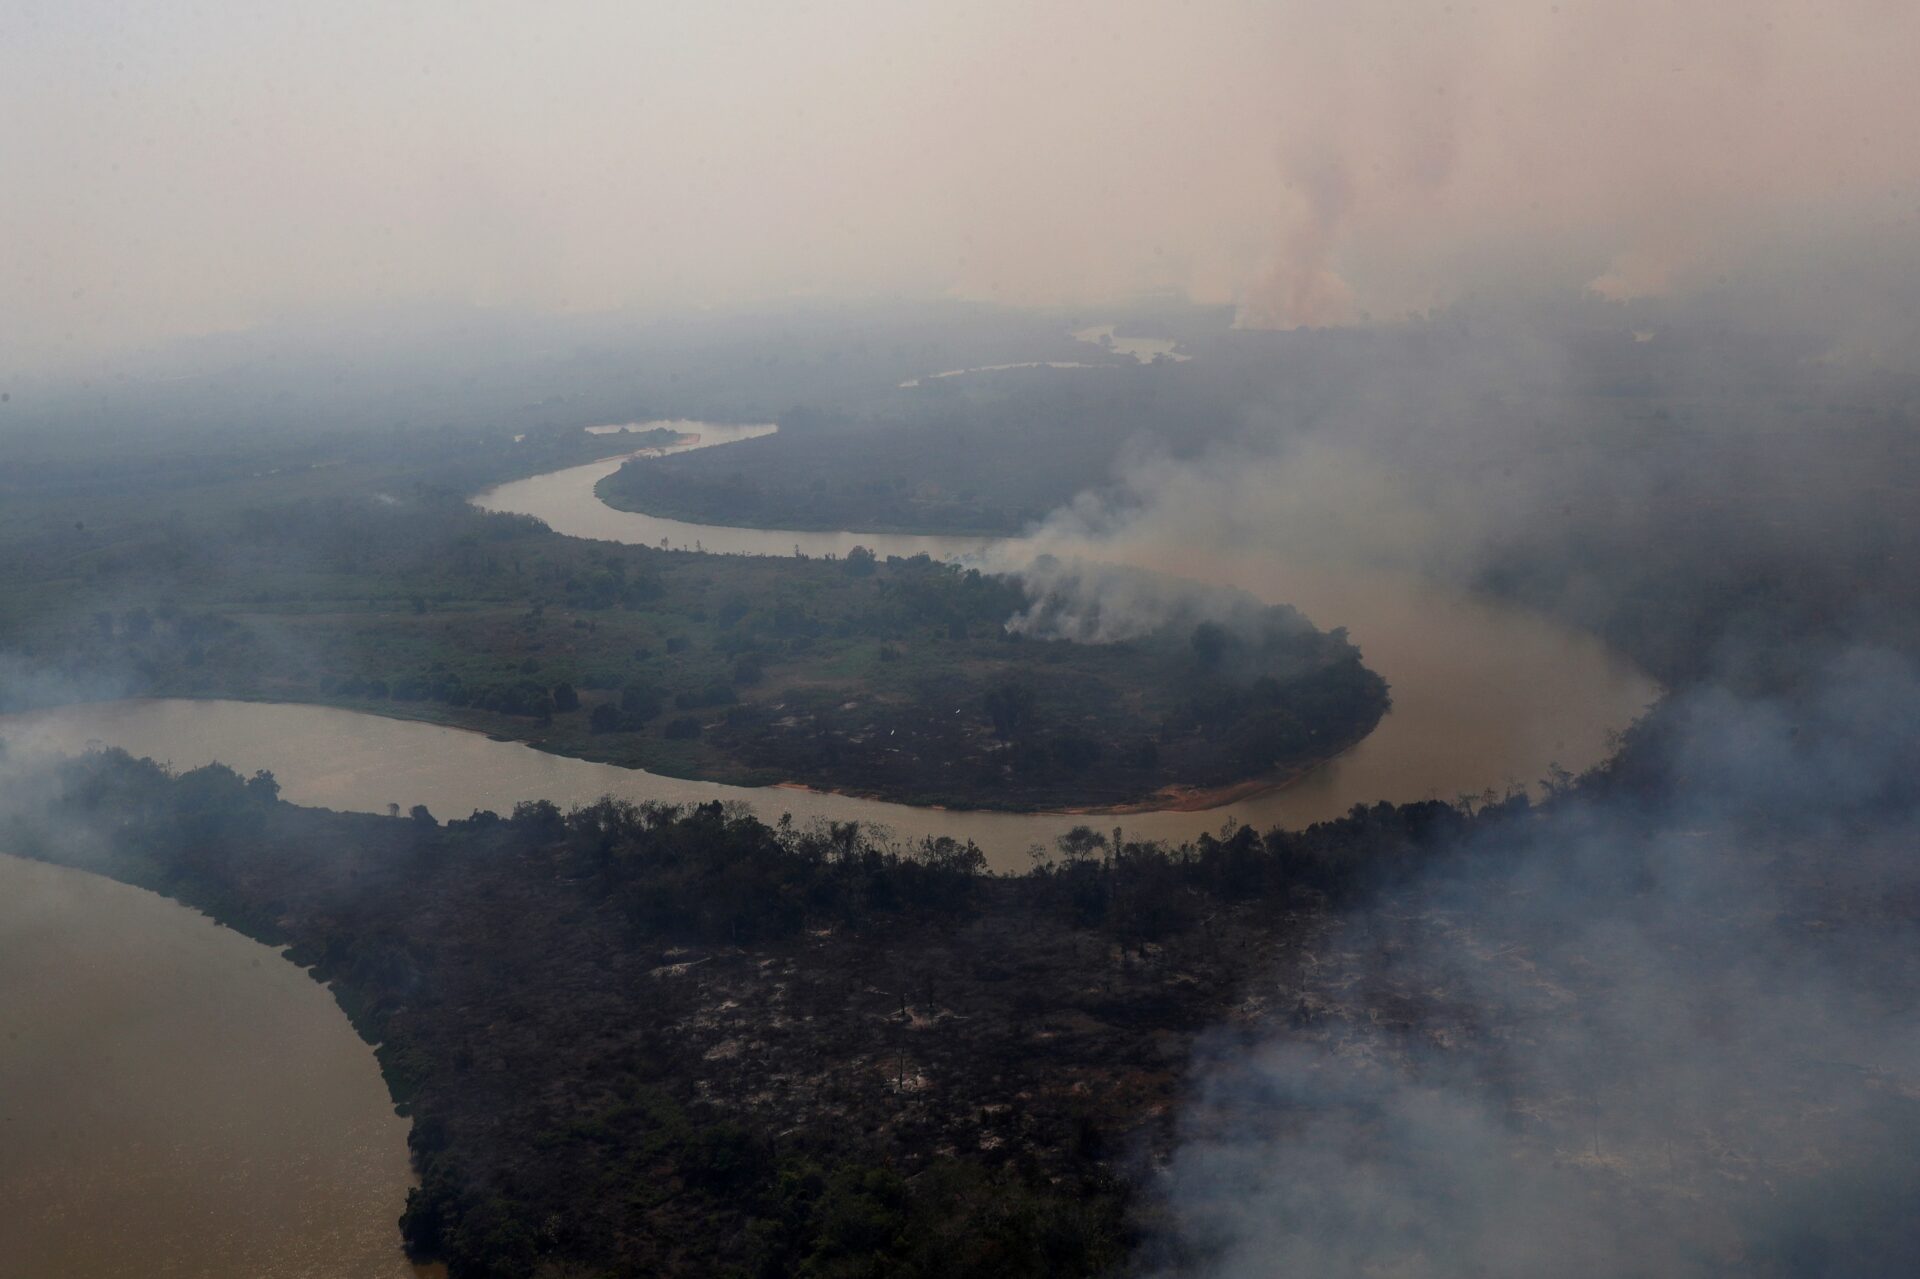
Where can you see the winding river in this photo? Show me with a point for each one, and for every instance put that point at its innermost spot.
(146, 1129)
(1484, 696)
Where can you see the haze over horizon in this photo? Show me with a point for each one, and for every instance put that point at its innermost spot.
(1311, 164)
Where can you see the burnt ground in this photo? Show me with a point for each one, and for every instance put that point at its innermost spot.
(652, 1041)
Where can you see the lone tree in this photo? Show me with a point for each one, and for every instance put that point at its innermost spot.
(859, 562)
(1010, 706)
(1209, 644)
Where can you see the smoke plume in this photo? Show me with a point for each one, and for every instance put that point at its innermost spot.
(1666, 1036)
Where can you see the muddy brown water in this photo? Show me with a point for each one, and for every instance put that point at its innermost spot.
(176, 1099)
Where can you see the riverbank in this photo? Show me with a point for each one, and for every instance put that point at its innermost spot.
(1172, 799)
(702, 1043)
(354, 761)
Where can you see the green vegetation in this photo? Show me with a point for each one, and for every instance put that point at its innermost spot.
(964, 456)
(356, 585)
(992, 453)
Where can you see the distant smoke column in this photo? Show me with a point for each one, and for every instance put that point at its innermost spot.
(1302, 290)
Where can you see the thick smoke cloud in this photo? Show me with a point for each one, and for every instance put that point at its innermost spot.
(1665, 1039)
(1095, 603)
(1663, 1030)
(183, 170)
(25, 683)
(1634, 148)
(1580, 455)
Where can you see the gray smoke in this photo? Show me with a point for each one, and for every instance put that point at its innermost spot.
(1665, 1037)
(1103, 603)
(1557, 444)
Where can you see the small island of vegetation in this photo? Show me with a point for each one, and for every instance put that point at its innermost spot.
(367, 584)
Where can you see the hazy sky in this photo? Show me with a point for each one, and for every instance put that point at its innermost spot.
(177, 168)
